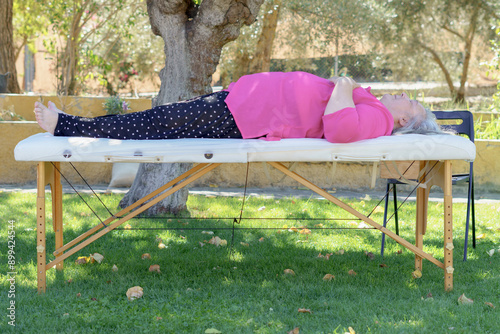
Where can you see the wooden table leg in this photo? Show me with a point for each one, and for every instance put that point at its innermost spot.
(421, 217)
(448, 228)
(419, 237)
(56, 188)
(40, 228)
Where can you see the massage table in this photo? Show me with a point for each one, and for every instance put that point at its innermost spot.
(433, 154)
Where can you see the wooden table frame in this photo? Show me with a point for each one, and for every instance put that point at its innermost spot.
(47, 174)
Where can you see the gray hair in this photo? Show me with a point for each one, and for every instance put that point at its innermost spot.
(426, 126)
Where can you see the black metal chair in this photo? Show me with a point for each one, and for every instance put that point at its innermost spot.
(466, 127)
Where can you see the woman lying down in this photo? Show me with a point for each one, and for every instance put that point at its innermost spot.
(270, 105)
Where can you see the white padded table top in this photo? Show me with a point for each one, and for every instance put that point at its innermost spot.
(45, 147)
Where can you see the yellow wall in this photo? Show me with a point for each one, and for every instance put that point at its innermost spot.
(74, 105)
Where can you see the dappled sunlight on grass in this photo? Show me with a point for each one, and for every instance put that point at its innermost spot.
(243, 287)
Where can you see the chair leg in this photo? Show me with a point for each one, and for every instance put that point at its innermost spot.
(473, 212)
(470, 205)
(386, 205)
(466, 241)
(395, 198)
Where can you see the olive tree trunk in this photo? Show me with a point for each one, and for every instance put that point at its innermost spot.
(7, 51)
(261, 61)
(194, 36)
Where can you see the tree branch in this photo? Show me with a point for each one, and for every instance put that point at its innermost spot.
(440, 63)
(456, 33)
(20, 48)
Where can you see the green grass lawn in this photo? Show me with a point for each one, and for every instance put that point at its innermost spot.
(242, 287)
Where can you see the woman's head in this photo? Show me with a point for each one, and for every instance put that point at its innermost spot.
(410, 116)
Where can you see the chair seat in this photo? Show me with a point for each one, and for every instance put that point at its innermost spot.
(460, 178)
(456, 179)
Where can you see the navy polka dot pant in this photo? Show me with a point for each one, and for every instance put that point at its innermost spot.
(205, 116)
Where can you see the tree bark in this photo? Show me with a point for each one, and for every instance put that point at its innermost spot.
(7, 49)
(69, 62)
(468, 39)
(261, 61)
(193, 36)
(446, 73)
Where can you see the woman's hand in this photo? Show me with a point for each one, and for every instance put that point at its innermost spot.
(334, 79)
(341, 97)
(345, 81)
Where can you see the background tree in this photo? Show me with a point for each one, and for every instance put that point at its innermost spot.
(29, 23)
(296, 29)
(81, 28)
(251, 52)
(494, 68)
(194, 33)
(443, 31)
(7, 54)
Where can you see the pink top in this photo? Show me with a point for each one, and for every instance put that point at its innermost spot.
(279, 105)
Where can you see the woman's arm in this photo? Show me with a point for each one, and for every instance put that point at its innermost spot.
(342, 95)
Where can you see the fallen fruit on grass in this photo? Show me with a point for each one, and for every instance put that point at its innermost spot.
(328, 277)
(352, 272)
(305, 310)
(491, 252)
(296, 330)
(134, 293)
(464, 300)
(289, 272)
(114, 268)
(416, 274)
(154, 268)
(161, 245)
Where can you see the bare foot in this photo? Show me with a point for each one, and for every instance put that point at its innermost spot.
(53, 107)
(46, 118)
